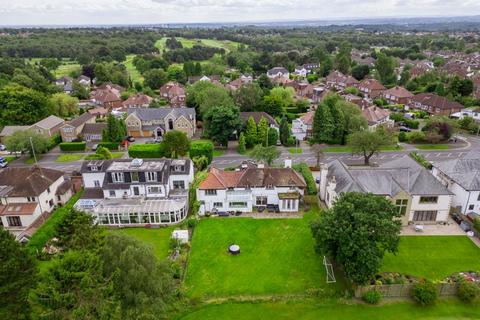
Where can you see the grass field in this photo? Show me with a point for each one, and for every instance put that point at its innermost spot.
(132, 71)
(31, 160)
(432, 146)
(70, 157)
(277, 257)
(189, 43)
(433, 257)
(159, 239)
(66, 69)
(319, 310)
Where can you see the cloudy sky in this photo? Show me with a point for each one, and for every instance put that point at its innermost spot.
(78, 12)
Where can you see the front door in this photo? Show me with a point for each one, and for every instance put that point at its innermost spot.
(136, 191)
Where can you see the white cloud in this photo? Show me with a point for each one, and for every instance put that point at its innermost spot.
(21, 12)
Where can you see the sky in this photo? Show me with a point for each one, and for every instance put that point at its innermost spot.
(95, 12)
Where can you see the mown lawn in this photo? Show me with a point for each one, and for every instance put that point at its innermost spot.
(433, 257)
(70, 157)
(159, 238)
(132, 70)
(432, 146)
(189, 43)
(67, 68)
(319, 310)
(115, 155)
(277, 257)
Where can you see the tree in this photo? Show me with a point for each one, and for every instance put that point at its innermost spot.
(367, 143)
(176, 143)
(204, 95)
(103, 153)
(115, 130)
(276, 102)
(343, 60)
(267, 154)
(142, 285)
(249, 97)
(241, 144)
(338, 118)
(221, 122)
(176, 73)
(360, 71)
(20, 141)
(318, 149)
(272, 136)
(155, 78)
(264, 82)
(79, 91)
(284, 131)
(352, 117)
(17, 276)
(21, 106)
(63, 105)
(385, 68)
(262, 128)
(77, 230)
(440, 125)
(251, 134)
(323, 125)
(359, 249)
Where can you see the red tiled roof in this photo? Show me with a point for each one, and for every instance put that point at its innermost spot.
(399, 92)
(374, 114)
(19, 209)
(371, 84)
(219, 179)
(433, 100)
(307, 118)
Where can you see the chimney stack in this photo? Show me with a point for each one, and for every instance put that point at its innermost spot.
(288, 163)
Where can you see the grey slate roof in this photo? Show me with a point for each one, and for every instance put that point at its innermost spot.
(148, 114)
(465, 170)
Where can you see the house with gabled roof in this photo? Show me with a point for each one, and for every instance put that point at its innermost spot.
(174, 93)
(48, 126)
(419, 197)
(339, 81)
(302, 127)
(73, 128)
(434, 104)
(278, 72)
(371, 88)
(397, 95)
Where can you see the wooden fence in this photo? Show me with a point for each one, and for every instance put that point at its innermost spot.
(404, 290)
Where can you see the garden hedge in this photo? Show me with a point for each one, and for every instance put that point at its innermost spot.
(146, 151)
(304, 170)
(109, 145)
(73, 146)
(201, 148)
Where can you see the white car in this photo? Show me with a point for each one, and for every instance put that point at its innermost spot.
(2, 147)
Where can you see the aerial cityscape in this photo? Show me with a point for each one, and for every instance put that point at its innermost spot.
(197, 160)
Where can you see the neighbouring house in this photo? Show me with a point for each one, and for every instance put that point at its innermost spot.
(239, 82)
(281, 81)
(419, 197)
(48, 126)
(65, 83)
(136, 192)
(155, 122)
(462, 177)
(7, 131)
(99, 112)
(305, 69)
(138, 100)
(93, 131)
(302, 89)
(319, 93)
(397, 95)
(84, 81)
(28, 196)
(472, 113)
(434, 104)
(174, 93)
(302, 127)
(211, 78)
(339, 81)
(107, 96)
(278, 72)
(371, 88)
(376, 117)
(257, 116)
(251, 188)
(73, 128)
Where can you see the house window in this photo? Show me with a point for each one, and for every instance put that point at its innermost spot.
(117, 176)
(401, 204)
(50, 202)
(428, 199)
(179, 184)
(14, 221)
(478, 198)
(93, 168)
(48, 190)
(218, 205)
(471, 207)
(135, 177)
(31, 199)
(237, 204)
(269, 187)
(111, 193)
(151, 176)
(170, 124)
(425, 216)
(261, 201)
(154, 190)
(96, 183)
(210, 192)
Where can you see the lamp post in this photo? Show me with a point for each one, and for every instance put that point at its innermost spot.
(33, 150)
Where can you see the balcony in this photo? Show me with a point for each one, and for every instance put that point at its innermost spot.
(239, 195)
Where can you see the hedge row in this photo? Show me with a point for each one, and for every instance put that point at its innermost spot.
(146, 151)
(73, 146)
(109, 145)
(201, 148)
(304, 170)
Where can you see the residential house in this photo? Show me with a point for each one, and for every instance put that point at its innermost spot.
(434, 104)
(397, 95)
(239, 82)
(107, 96)
(211, 78)
(302, 127)
(84, 81)
(99, 112)
(278, 72)
(7, 131)
(257, 116)
(155, 122)
(462, 177)
(371, 88)
(93, 131)
(419, 197)
(305, 69)
(251, 187)
(135, 192)
(319, 93)
(65, 83)
(28, 196)
(138, 100)
(376, 117)
(302, 89)
(339, 81)
(48, 126)
(174, 93)
(73, 128)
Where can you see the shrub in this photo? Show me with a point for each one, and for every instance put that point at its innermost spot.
(402, 136)
(73, 146)
(420, 159)
(191, 223)
(468, 291)
(109, 145)
(425, 293)
(201, 148)
(304, 170)
(476, 224)
(415, 137)
(372, 296)
(290, 141)
(146, 151)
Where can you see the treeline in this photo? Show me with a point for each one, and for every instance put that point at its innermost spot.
(196, 53)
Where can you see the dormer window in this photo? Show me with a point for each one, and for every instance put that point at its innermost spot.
(151, 176)
(269, 186)
(117, 176)
(93, 168)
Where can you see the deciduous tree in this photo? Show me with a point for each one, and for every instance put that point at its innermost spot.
(221, 122)
(367, 143)
(266, 154)
(176, 143)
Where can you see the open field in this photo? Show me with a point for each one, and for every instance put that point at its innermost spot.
(277, 257)
(316, 310)
(132, 71)
(68, 66)
(433, 257)
(159, 238)
(189, 43)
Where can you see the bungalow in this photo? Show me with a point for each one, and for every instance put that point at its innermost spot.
(174, 93)
(7, 131)
(278, 72)
(377, 117)
(302, 127)
(65, 83)
(84, 81)
(434, 104)
(419, 197)
(279, 189)
(48, 126)
(93, 131)
(371, 88)
(397, 95)
(107, 96)
(28, 196)
(73, 129)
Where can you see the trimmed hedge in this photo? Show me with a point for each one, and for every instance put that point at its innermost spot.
(73, 146)
(304, 170)
(109, 145)
(144, 151)
(201, 148)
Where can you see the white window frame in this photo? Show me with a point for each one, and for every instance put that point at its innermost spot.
(151, 176)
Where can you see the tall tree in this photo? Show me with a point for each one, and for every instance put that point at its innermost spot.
(278, 99)
(337, 117)
(251, 134)
(176, 143)
(221, 122)
(155, 78)
(23, 140)
(241, 144)
(115, 130)
(385, 68)
(263, 131)
(367, 143)
(267, 154)
(284, 131)
(249, 97)
(272, 136)
(358, 249)
(22, 106)
(323, 125)
(343, 59)
(63, 105)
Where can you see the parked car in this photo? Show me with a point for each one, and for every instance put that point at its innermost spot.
(3, 162)
(404, 129)
(457, 218)
(317, 180)
(130, 139)
(2, 147)
(94, 147)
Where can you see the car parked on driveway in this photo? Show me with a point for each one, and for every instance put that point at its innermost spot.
(3, 147)
(3, 162)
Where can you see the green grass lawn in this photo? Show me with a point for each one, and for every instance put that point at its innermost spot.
(31, 160)
(319, 310)
(132, 70)
(335, 149)
(10, 158)
(115, 155)
(295, 150)
(432, 146)
(66, 69)
(159, 238)
(277, 257)
(218, 153)
(70, 157)
(189, 43)
(433, 257)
